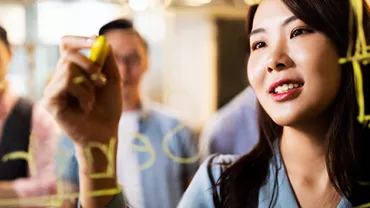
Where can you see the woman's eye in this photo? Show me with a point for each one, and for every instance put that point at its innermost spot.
(258, 45)
(300, 31)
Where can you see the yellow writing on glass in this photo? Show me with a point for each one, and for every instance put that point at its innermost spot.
(22, 155)
(57, 199)
(169, 96)
(360, 56)
(147, 147)
(166, 149)
(363, 205)
(54, 200)
(109, 152)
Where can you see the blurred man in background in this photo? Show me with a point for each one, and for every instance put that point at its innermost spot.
(19, 118)
(233, 129)
(150, 178)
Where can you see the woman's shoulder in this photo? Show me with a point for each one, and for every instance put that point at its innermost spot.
(215, 165)
(200, 191)
(221, 159)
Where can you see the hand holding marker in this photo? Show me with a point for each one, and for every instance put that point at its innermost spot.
(98, 55)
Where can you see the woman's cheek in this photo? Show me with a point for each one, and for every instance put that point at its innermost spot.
(255, 76)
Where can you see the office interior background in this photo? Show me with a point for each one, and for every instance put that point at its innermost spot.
(197, 47)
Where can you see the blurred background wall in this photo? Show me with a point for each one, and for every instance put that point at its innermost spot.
(197, 47)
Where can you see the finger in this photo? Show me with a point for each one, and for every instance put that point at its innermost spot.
(85, 96)
(55, 93)
(87, 84)
(75, 43)
(61, 86)
(58, 80)
(83, 62)
(110, 68)
(83, 92)
(99, 79)
(67, 73)
(89, 68)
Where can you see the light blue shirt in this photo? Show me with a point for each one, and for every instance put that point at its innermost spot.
(233, 129)
(199, 193)
(165, 181)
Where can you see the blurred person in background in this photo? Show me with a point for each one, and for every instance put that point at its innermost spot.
(162, 184)
(19, 118)
(233, 129)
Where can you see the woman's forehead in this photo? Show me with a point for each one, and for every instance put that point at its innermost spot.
(271, 12)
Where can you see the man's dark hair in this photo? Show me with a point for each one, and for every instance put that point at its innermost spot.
(4, 37)
(122, 24)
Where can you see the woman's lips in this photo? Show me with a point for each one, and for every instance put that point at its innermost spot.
(287, 95)
(284, 81)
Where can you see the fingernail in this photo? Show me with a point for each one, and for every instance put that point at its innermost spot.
(99, 79)
(103, 79)
(91, 39)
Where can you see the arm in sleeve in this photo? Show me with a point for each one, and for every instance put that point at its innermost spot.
(207, 138)
(68, 169)
(199, 192)
(189, 151)
(44, 136)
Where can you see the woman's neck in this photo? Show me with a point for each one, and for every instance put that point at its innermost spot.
(303, 146)
(303, 153)
(130, 100)
(304, 142)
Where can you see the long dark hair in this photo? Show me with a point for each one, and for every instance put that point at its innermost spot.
(347, 158)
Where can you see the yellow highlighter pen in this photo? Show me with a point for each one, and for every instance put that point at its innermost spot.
(99, 53)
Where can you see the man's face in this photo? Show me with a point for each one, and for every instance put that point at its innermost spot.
(130, 55)
(5, 58)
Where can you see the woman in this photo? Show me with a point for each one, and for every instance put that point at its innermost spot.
(311, 152)
(311, 149)
(24, 127)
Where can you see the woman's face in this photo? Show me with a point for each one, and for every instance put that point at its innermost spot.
(292, 68)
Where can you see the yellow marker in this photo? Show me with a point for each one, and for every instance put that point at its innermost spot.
(252, 2)
(98, 54)
(99, 51)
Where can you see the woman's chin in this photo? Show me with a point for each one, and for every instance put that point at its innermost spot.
(287, 120)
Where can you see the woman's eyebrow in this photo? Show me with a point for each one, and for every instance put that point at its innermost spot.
(255, 31)
(262, 30)
(289, 20)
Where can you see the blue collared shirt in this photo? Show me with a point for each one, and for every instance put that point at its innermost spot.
(199, 193)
